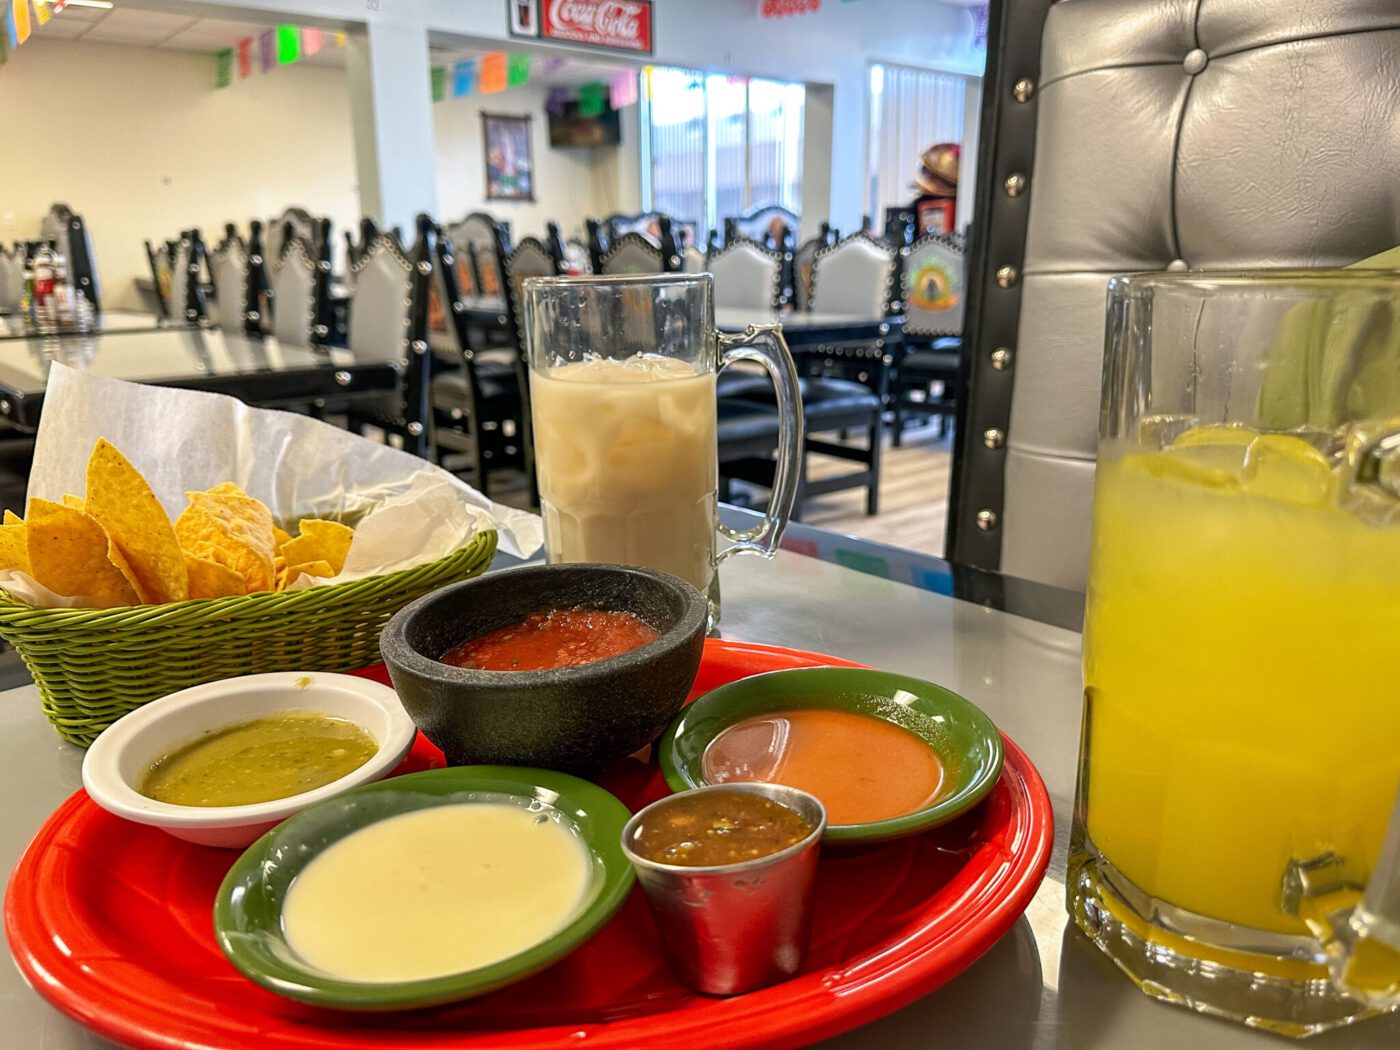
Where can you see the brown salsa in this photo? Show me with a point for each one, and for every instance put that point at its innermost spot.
(717, 827)
(544, 641)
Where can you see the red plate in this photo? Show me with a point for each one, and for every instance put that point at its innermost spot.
(110, 922)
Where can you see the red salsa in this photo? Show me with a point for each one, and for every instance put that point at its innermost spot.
(544, 641)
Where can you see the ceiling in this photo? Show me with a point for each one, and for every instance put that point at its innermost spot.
(171, 32)
(159, 30)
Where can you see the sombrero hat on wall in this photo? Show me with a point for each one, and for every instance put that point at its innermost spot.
(938, 170)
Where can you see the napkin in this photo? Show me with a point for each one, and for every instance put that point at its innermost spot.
(405, 511)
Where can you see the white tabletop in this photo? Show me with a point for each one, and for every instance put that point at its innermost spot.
(1041, 987)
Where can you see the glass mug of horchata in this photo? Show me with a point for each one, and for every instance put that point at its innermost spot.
(622, 390)
(1236, 838)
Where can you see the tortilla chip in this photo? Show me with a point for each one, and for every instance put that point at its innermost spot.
(227, 488)
(210, 579)
(14, 547)
(123, 503)
(234, 531)
(73, 502)
(280, 537)
(68, 554)
(11, 518)
(311, 568)
(327, 541)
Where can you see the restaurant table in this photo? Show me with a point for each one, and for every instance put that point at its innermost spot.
(1042, 986)
(15, 326)
(259, 371)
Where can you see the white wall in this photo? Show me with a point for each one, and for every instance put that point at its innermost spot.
(245, 152)
(140, 143)
(833, 46)
(571, 184)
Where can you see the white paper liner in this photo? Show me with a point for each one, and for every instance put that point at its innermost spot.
(406, 511)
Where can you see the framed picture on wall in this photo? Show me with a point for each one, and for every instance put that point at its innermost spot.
(510, 165)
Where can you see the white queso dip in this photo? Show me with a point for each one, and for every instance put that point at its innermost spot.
(436, 891)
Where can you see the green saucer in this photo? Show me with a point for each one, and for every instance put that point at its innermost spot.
(248, 908)
(965, 740)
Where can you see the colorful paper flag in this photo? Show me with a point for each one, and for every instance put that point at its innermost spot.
(288, 45)
(312, 40)
(4, 36)
(622, 89)
(437, 77)
(592, 97)
(492, 73)
(6, 16)
(517, 69)
(19, 20)
(245, 58)
(223, 73)
(340, 39)
(556, 101)
(267, 50)
(42, 12)
(463, 78)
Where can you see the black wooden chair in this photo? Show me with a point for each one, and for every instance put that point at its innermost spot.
(804, 260)
(482, 407)
(926, 370)
(639, 253)
(69, 231)
(238, 289)
(843, 384)
(389, 321)
(185, 300)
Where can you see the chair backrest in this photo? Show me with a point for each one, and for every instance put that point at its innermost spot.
(531, 258)
(934, 274)
(64, 226)
(856, 275)
(474, 247)
(293, 281)
(187, 261)
(381, 306)
(634, 253)
(692, 260)
(748, 277)
(771, 225)
(11, 280)
(229, 266)
(1259, 145)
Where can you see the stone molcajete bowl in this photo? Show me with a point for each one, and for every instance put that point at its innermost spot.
(575, 719)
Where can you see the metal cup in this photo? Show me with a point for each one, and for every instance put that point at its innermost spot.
(731, 928)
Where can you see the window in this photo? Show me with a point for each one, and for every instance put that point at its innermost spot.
(715, 145)
(910, 110)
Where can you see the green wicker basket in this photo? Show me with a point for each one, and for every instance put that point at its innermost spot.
(94, 665)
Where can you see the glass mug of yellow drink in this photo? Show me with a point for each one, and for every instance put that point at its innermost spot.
(1233, 847)
(622, 390)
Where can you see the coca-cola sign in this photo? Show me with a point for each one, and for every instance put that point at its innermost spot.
(618, 25)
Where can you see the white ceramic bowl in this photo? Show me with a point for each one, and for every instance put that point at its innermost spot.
(117, 759)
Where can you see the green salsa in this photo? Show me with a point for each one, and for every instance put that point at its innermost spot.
(259, 761)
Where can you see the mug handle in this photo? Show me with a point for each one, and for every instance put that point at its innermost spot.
(1357, 920)
(764, 344)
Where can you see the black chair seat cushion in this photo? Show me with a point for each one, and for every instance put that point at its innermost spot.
(929, 365)
(822, 396)
(733, 383)
(745, 421)
(495, 381)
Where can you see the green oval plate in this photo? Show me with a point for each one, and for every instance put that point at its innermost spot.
(248, 909)
(964, 738)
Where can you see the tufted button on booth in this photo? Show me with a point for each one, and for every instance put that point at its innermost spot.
(1195, 61)
(1177, 265)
